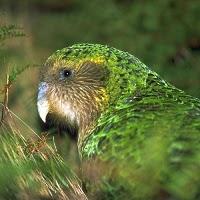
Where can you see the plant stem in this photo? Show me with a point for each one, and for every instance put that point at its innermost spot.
(5, 102)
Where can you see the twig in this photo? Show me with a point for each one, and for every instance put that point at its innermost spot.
(5, 109)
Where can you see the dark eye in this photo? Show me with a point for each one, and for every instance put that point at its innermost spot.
(65, 73)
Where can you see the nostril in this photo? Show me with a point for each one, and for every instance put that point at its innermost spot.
(42, 89)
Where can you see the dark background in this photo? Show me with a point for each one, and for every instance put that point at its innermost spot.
(164, 34)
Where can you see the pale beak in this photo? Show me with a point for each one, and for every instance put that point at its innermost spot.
(42, 102)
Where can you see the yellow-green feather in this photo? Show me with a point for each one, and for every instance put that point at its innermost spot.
(148, 137)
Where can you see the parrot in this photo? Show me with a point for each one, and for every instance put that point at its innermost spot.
(138, 136)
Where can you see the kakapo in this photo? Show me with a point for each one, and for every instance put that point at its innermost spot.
(138, 135)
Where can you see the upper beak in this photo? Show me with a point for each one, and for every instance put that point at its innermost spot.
(42, 102)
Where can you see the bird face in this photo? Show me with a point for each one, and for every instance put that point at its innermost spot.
(72, 92)
(80, 82)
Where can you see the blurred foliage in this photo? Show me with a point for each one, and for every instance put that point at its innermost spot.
(164, 34)
(9, 31)
(31, 168)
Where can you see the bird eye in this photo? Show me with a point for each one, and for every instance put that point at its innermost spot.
(65, 73)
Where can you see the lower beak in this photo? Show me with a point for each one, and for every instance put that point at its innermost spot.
(42, 102)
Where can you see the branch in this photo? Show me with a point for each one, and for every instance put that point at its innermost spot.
(5, 109)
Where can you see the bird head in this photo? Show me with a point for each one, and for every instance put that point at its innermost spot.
(78, 83)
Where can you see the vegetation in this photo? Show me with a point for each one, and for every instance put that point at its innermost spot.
(31, 168)
(163, 34)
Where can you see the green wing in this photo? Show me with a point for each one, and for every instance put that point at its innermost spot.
(147, 147)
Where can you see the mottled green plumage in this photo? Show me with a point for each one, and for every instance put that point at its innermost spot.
(145, 143)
